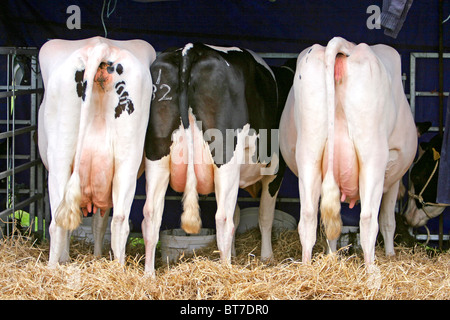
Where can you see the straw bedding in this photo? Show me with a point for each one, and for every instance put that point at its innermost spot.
(412, 274)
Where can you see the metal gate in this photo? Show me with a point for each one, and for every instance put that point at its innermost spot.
(22, 185)
(417, 92)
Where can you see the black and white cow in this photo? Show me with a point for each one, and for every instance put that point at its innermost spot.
(213, 128)
(424, 174)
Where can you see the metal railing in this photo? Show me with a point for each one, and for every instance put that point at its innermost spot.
(20, 94)
(415, 92)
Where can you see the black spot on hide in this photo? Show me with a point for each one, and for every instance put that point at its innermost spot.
(125, 104)
(79, 76)
(81, 86)
(119, 69)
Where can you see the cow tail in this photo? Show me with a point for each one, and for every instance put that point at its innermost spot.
(68, 215)
(330, 205)
(190, 219)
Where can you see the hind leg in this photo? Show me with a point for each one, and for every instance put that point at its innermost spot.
(373, 159)
(157, 176)
(226, 180)
(309, 159)
(387, 218)
(310, 118)
(266, 214)
(309, 189)
(59, 245)
(368, 109)
(99, 225)
(371, 189)
(59, 237)
(123, 190)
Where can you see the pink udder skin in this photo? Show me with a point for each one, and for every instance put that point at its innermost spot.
(345, 170)
(96, 174)
(203, 166)
(203, 171)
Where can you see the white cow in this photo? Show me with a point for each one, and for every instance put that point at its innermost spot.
(91, 132)
(347, 132)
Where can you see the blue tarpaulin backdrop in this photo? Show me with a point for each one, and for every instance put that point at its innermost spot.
(261, 25)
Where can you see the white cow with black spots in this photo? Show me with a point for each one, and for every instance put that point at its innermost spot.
(91, 132)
